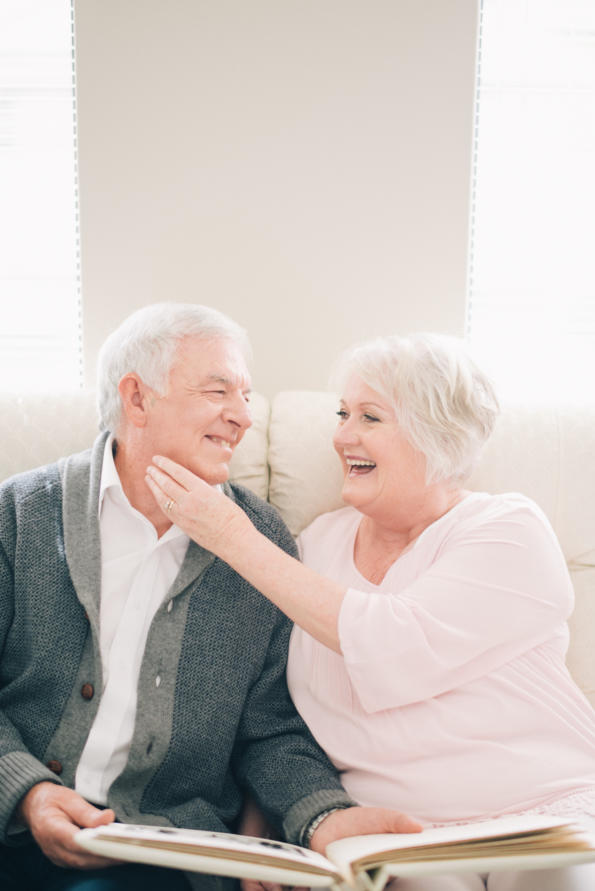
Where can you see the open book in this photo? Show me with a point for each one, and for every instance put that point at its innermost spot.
(366, 860)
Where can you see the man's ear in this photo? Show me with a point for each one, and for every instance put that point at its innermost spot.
(135, 399)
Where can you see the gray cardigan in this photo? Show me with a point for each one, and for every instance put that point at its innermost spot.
(220, 719)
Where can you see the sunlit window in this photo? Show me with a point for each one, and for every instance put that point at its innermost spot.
(39, 308)
(531, 310)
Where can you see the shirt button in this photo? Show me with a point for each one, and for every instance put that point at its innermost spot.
(157, 680)
(55, 767)
(87, 691)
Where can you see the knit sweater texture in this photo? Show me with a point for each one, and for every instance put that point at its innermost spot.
(218, 723)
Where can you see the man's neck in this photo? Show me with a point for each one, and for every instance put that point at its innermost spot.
(131, 466)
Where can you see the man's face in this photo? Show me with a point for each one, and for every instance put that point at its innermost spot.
(204, 413)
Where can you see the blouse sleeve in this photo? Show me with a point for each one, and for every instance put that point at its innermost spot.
(493, 592)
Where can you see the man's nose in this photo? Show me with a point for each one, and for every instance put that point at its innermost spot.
(238, 412)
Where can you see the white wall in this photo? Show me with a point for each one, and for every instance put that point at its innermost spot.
(304, 165)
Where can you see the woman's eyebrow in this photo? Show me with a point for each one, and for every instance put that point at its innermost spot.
(364, 405)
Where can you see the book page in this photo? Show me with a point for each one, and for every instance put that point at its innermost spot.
(506, 836)
(216, 852)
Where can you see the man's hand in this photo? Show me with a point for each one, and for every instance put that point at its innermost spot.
(360, 821)
(54, 814)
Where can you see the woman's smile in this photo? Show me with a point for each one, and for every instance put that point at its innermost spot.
(358, 466)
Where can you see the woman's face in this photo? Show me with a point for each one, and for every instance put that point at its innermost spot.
(383, 471)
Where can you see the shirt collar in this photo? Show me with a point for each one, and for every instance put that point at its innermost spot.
(110, 482)
(109, 474)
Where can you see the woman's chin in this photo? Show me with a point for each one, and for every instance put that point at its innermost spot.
(353, 494)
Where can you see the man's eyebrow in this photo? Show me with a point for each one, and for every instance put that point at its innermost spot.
(225, 380)
(217, 379)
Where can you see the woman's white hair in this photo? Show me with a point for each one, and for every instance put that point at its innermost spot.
(146, 343)
(444, 404)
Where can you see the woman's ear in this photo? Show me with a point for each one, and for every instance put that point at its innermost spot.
(133, 394)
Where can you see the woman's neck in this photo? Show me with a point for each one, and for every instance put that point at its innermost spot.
(380, 541)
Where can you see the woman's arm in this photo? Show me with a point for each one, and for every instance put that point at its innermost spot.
(217, 524)
(496, 589)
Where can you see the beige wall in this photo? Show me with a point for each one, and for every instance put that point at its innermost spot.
(303, 165)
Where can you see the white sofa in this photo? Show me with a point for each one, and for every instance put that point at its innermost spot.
(287, 457)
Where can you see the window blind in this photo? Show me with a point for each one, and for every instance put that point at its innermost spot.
(531, 296)
(40, 337)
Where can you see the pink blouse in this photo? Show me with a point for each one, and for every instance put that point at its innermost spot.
(451, 701)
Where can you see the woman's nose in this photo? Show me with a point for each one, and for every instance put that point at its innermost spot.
(345, 434)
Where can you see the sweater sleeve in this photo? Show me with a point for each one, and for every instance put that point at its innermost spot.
(286, 771)
(494, 591)
(19, 770)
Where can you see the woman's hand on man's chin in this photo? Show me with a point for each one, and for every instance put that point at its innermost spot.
(200, 510)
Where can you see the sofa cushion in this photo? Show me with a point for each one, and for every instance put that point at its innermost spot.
(37, 429)
(249, 465)
(305, 474)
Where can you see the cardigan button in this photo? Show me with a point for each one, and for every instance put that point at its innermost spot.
(87, 691)
(55, 766)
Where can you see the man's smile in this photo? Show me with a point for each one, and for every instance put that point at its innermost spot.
(219, 441)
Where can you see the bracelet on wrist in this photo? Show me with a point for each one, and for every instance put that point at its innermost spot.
(312, 826)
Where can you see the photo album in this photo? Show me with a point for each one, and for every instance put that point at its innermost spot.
(365, 861)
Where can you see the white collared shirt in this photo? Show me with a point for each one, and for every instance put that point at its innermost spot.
(137, 570)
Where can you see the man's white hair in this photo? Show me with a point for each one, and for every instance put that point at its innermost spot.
(146, 343)
(444, 404)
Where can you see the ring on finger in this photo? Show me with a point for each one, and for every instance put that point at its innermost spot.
(169, 504)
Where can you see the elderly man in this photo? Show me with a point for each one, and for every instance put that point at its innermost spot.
(140, 677)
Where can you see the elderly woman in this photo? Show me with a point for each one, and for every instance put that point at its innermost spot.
(428, 653)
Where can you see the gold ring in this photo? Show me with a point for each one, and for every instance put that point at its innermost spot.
(170, 504)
